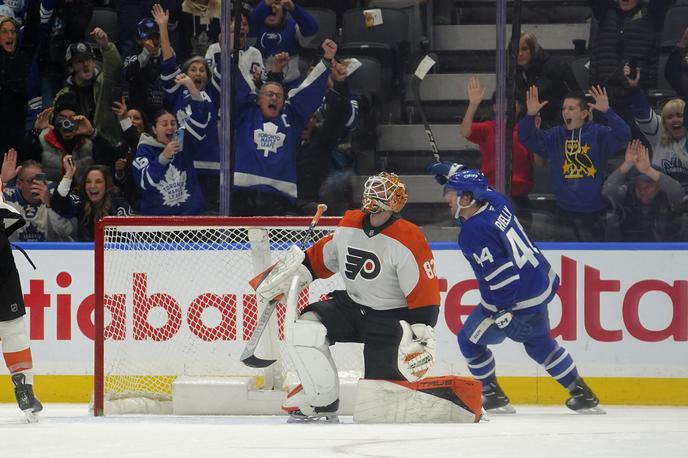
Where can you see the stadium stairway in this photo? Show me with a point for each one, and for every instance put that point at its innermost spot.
(464, 48)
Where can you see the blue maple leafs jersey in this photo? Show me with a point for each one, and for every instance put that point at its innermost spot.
(512, 273)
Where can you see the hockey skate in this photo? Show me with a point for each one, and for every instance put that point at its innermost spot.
(28, 403)
(294, 406)
(494, 399)
(583, 400)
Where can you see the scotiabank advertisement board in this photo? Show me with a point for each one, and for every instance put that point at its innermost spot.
(620, 312)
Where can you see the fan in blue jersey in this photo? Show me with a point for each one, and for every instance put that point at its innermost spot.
(269, 127)
(164, 164)
(282, 26)
(205, 149)
(516, 283)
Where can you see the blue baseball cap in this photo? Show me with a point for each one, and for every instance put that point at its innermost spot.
(146, 28)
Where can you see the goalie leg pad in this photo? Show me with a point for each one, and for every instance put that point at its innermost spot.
(309, 333)
(310, 354)
(449, 399)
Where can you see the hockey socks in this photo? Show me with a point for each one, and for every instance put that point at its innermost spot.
(482, 367)
(561, 367)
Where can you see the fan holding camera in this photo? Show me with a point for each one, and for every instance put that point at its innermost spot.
(30, 196)
(62, 131)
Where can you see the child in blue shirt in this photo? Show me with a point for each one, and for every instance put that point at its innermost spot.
(577, 152)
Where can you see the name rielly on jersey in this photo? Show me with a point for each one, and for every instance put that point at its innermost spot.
(504, 218)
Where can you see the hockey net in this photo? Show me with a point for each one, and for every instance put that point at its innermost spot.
(173, 300)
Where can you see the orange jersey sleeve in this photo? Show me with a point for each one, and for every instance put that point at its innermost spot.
(316, 257)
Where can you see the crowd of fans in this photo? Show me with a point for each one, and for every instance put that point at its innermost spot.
(94, 126)
(582, 133)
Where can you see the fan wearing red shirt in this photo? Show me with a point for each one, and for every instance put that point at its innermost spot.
(483, 134)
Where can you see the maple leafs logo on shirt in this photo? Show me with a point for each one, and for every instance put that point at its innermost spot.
(268, 139)
(173, 187)
(360, 261)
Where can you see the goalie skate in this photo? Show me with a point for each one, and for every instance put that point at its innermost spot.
(311, 414)
(26, 400)
(296, 416)
(494, 399)
(583, 400)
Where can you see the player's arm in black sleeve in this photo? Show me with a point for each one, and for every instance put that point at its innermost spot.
(426, 315)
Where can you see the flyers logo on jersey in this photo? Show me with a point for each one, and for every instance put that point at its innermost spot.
(359, 261)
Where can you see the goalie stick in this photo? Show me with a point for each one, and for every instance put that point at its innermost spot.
(418, 76)
(248, 356)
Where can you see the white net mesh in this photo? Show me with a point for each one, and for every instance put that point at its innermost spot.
(177, 303)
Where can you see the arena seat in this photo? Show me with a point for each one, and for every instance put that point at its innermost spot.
(327, 22)
(675, 23)
(106, 19)
(411, 8)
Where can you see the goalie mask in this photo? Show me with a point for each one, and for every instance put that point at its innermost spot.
(384, 192)
(467, 181)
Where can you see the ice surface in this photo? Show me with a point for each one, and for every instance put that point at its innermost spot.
(67, 430)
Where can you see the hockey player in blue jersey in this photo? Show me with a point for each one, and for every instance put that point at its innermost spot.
(516, 284)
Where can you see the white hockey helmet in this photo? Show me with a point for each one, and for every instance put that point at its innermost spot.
(384, 192)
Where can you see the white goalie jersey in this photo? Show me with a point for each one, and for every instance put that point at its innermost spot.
(383, 269)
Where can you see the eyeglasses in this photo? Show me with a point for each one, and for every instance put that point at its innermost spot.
(8, 31)
(270, 94)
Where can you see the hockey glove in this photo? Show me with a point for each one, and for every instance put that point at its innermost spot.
(276, 279)
(416, 353)
(515, 329)
(444, 170)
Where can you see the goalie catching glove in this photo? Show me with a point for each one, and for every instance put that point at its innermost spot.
(276, 279)
(416, 353)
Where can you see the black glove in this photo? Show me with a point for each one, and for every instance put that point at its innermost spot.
(444, 170)
(514, 328)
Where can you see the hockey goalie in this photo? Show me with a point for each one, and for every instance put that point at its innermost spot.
(390, 304)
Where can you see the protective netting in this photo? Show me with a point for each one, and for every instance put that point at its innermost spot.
(177, 303)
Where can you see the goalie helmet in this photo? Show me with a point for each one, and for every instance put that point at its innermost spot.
(384, 192)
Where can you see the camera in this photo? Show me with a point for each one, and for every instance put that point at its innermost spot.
(66, 124)
(39, 177)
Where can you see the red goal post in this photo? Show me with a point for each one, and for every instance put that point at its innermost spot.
(173, 301)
